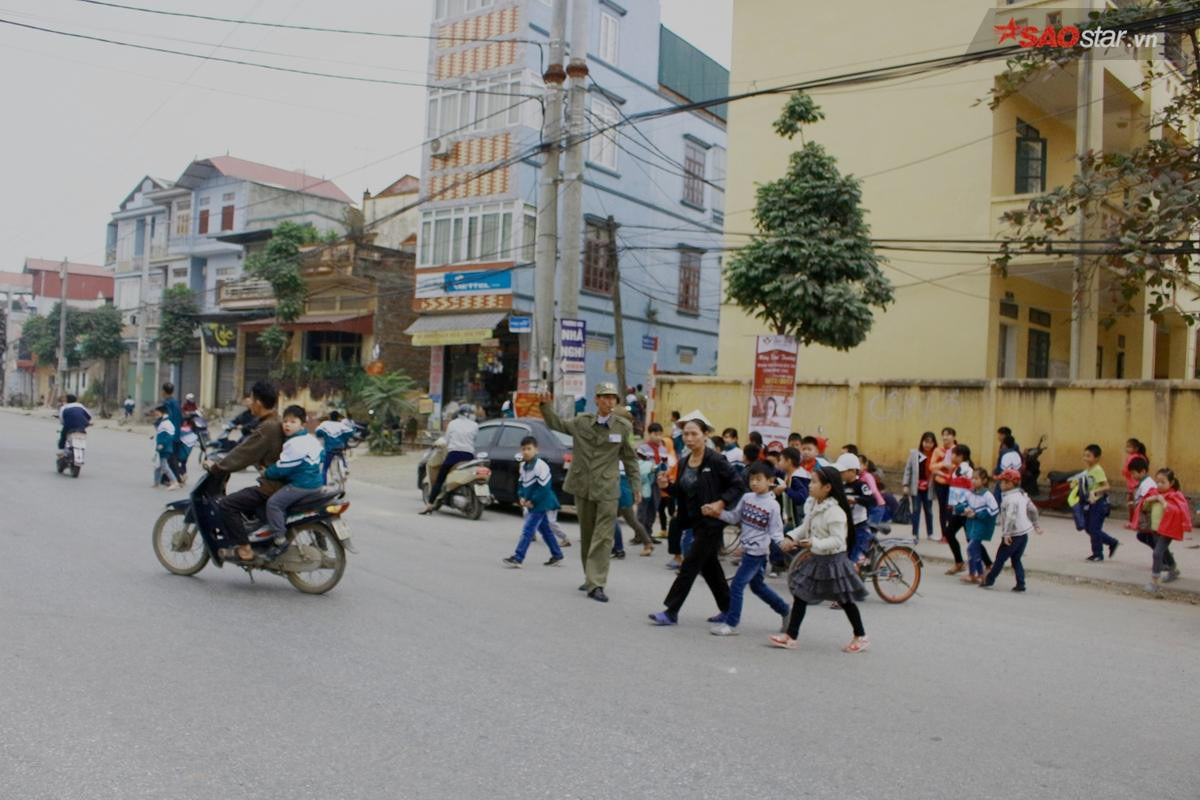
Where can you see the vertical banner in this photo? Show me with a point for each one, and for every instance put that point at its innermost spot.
(774, 388)
(572, 343)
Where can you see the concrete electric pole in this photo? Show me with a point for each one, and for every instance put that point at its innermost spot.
(577, 71)
(546, 254)
(618, 316)
(139, 401)
(60, 373)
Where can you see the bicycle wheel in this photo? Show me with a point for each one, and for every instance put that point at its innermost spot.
(896, 573)
(337, 474)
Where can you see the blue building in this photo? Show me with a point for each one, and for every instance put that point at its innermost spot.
(662, 182)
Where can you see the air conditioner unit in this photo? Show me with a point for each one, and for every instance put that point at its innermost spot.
(441, 147)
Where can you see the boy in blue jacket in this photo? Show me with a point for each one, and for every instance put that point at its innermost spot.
(164, 449)
(299, 469)
(537, 497)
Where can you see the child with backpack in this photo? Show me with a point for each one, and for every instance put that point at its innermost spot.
(979, 508)
(1161, 517)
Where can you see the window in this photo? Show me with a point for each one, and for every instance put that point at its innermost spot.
(510, 438)
(184, 217)
(610, 35)
(202, 222)
(1038, 363)
(1120, 365)
(488, 104)
(689, 282)
(529, 235)
(693, 169)
(485, 437)
(1039, 317)
(227, 218)
(1009, 309)
(597, 267)
(473, 233)
(1006, 361)
(686, 354)
(1031, 159)
(228, 197)
(333, 346)
(602, 149)
(718, 183)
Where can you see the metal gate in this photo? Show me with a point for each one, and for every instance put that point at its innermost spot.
(189, 374)
(225, 372)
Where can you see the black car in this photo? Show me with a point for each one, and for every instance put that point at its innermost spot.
(499, 441)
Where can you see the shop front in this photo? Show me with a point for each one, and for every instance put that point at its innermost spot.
(474, 359)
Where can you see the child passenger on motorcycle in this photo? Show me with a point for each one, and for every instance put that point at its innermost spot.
(299, 469)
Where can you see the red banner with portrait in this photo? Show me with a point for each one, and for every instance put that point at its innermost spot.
(774, 388)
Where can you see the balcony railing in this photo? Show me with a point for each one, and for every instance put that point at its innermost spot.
(245, 293)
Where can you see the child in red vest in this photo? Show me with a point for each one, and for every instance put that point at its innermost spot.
(1161, 517)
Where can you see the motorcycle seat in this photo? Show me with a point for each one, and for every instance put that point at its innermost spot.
(1058, 477)
(326, 495)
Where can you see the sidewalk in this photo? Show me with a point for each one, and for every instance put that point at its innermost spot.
(1061, 551)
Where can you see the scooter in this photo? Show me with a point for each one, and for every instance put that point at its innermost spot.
(189, 533)
(72, 455)
(466, 488)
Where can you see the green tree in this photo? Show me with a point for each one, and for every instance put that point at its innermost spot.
(279, 265)
(177, 325)
(811, 271)
(100, 340)
(1152, 246)
(41, 336)
(388, 399)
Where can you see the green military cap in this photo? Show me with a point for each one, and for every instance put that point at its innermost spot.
(607, 388)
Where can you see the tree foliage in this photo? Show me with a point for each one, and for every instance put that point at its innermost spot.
(279, 265)
(811, 271)
(1141, 207)
(99, 335)
(177, 325)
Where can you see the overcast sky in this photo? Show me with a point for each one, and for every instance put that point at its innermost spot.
(84, 121)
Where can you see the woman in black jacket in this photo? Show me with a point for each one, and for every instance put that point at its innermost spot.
(705, 484)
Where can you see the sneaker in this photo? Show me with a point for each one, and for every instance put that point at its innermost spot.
(618, 554)
(598, 595)
(985, 585)
(553, 560)
(1152, 588)
(512, 562)
(1095, 558)
(1171, 576)
(277, 549)
(673, 565)
(1112, 548)
(564, 543)
(662, 618)
(723, 630)
(1020, 587)
(717, 619)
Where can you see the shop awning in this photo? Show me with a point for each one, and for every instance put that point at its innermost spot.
(455, 328)
(344, 323)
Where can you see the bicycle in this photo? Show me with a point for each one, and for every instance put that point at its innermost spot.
(339, 470)
(892, 565)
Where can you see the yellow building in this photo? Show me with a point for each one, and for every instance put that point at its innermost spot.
(937, 164)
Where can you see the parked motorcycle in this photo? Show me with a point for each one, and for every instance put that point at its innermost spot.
(466, 488)
(71, 457)
(189, 533)
(1033, 467)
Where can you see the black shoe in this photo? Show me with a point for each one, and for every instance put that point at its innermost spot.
(276, 551)
(1112, 548)
(512, 562)
(618, 554)
(1018, 588)
(598, 595)
(583, 587)
(553, 560)
(1095, 558)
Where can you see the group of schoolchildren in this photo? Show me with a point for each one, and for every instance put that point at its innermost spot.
(1159, 513)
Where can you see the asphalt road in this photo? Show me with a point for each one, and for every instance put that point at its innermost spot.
(434, 672)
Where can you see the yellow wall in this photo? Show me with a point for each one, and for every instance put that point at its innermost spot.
(886, 418)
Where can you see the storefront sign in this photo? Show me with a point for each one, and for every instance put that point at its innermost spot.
(219, 339)
(527, 404)
(491, 281)
(774, 388)
(520, 324)
(650, 343)
(462, 336)
(572, 344)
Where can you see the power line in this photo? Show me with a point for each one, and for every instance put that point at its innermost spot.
(310, 28)
(239, 62)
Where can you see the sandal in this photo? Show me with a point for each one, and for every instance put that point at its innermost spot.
(782, 640)
(858, 645)
(648, 550)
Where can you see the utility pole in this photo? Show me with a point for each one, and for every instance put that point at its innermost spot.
(577, 71)
(1085, 294)
(4, 342)
(618, 317)
(546, 253)
(60, 373)
(139, 404)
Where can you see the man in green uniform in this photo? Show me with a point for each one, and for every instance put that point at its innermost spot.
(601, 440)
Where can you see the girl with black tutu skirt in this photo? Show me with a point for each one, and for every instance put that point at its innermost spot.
(824, 572)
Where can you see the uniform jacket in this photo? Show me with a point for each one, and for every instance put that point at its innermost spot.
(334, 433)
(74, 417)
(536, 486)
(164, 437)
(299, 463)
(596, 451)
(260, 449)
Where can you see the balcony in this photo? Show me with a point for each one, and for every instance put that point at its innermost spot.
(245, 294)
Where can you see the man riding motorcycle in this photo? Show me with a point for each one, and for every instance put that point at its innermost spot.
(260, 449)
(74, 418)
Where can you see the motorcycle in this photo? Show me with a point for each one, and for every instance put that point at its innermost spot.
(72, 455)
(466, 488)
(188, 534)
(1033, 467)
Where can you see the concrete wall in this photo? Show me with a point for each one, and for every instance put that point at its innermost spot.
(886, 418)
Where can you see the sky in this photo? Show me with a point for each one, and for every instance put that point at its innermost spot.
(85, 120)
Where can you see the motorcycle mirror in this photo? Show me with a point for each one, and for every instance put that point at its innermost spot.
(517, 456)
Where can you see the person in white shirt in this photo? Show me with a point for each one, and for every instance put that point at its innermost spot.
(460, 447)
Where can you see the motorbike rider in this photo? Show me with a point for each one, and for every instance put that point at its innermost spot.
(460, 447)
(335, 434)
(74, 417)
(245, 420)
(261, 449)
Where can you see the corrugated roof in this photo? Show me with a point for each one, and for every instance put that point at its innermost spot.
(73, 267)
(263, 174)
(690, 73)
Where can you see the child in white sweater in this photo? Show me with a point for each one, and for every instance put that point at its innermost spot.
(1018, 516)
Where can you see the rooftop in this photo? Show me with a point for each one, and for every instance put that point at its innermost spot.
(16, 281)
(73, 268)
(204, 169)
